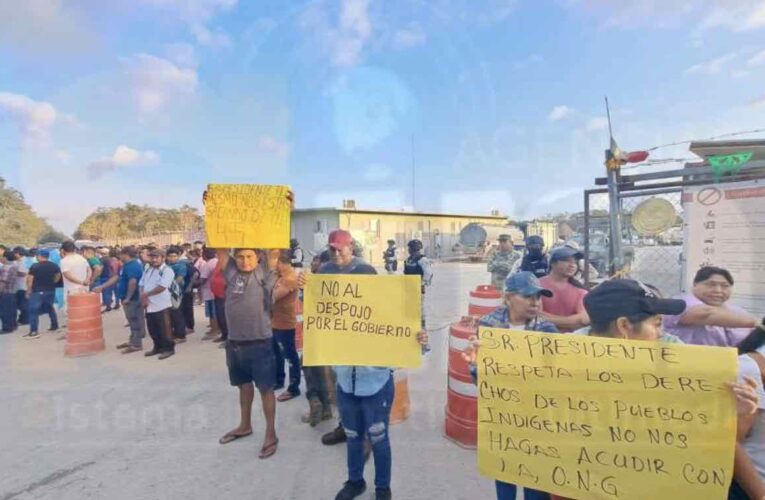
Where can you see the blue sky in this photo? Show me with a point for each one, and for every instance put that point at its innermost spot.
(149, 100)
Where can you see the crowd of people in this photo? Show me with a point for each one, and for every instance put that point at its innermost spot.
(543, 293)
(250, 299)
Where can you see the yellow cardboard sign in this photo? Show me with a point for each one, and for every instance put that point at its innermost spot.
(361, 320)
(247, 216)
(590, 417)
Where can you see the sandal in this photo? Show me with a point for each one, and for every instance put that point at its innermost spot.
(268, 450)
(230, 436)
(286, 396)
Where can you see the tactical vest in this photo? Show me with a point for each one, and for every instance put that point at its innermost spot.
(536, 266)
(412, 265)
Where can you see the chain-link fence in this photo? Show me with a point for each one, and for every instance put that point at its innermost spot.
(655, 260)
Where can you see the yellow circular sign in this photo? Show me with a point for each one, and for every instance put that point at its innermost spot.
(653, 217)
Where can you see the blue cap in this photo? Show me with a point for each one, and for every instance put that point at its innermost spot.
(526, 284)
(562, 253)
(44, 253)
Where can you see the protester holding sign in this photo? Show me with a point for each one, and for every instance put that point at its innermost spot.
(364, 393)
(250, 294)
(708, 318)
(618, 309)
(523, 295)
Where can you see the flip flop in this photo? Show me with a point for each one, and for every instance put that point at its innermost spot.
(229, 437)
(269, 450)
(285, 396)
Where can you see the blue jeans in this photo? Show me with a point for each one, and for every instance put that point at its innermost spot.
(284, 348)
(506, 491)
(108, 296)
(42, 302)
(367, 416)
(8, 311)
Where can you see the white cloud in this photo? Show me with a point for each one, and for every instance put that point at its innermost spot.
(273, 146)
(377, 172)
(711, 67)
(733, 15)
(406, 38)
(33, 118)
(182, 54)
(559, 113)
(155, 81)
(344, 40)
(209, 38)
(123, 156)
(198, 13)
(739, 15)
(36, 25)
(596, 124)
(757, 59)
(194, 10)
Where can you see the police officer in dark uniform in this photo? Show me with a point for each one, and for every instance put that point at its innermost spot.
(417, 263)
(535, 260)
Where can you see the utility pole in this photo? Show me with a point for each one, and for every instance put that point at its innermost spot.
(613, 166)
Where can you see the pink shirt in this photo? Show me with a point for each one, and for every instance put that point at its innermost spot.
(205, 272)
(567, 300)
(704, 335)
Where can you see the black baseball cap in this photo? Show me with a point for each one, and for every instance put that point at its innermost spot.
(618, 298)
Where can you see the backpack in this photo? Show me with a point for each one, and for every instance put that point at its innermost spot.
(192, 277)
(176, 292)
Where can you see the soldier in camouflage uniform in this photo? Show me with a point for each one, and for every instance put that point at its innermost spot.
(501, 262)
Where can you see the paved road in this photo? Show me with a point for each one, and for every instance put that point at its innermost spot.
(114, 426)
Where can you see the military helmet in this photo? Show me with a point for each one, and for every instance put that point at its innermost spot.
(414, 245)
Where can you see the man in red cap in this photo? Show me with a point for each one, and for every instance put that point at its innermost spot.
(364, 393)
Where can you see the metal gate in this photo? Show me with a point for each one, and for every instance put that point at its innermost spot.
(653, 260)
(656, 260)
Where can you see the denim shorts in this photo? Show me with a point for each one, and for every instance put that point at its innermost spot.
(251, 361)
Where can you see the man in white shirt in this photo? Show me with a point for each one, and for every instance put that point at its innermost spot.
(76, 273)
(155, 298)
(75, 270)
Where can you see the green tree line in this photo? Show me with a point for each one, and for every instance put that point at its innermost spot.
(19, 224)
(136, 221)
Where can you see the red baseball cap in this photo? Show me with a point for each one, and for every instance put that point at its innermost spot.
(340, 238)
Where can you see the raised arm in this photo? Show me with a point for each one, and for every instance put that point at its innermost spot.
(704, 315)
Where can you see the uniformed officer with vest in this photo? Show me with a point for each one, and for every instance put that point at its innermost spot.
(501, 262)
(535, 260)
(417, 263)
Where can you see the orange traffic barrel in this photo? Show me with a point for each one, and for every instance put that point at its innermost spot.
(400, 409)
(483, 300)
(461, 394)
(299, 325)
(85, 331)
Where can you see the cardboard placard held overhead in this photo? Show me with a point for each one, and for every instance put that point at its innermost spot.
(593, 417)
(362, 320)
(247, 216)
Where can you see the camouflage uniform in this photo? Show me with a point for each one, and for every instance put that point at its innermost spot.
(500, 264)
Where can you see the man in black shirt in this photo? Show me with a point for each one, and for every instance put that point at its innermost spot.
(42, 280)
